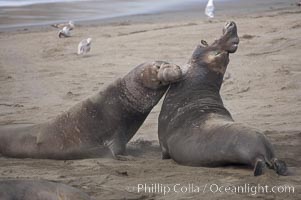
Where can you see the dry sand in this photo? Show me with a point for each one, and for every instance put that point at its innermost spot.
(41, 76)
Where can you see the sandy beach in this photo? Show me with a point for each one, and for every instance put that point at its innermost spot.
(41, 76)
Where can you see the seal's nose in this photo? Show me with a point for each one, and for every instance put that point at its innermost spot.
(169, 73)
(229, 27)
(229, 24)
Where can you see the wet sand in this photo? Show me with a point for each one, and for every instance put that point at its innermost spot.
(41, 76)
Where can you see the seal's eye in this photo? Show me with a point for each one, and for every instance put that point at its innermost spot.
(203, 42)
(217, 53)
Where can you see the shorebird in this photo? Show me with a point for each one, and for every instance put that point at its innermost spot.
(70, 25)
(65, 32)
(209, 11)
(84, 46)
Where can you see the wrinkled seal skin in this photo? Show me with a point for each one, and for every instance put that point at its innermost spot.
(194, 126)
(38, 190)
(99, 126)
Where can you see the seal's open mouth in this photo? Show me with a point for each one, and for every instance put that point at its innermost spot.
(235, 46)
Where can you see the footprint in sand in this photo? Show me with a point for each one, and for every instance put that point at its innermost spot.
(70, 95)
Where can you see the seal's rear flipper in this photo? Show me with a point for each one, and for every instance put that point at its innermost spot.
(280, 167)
(259, 167)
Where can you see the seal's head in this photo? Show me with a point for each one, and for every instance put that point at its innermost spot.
(89, 40)
(229, 40)
(216, 56)
(159, 73)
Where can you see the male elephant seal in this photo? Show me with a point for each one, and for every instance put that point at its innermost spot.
(194, 126)
(38, 190)
(107, 120)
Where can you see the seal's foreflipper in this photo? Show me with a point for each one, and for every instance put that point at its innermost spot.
(39, 138)
(165, 154)
(117, 145)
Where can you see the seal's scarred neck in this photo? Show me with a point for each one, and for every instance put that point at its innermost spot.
(200, 76)
(198, 93)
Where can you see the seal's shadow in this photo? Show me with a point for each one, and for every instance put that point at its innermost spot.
(142, 148)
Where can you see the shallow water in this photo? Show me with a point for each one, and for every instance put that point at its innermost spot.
(14, 13)
(17, 3)
(22, 13)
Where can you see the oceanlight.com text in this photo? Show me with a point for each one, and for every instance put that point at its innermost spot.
(158, 188)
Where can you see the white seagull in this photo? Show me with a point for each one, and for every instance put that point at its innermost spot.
(209, 11)
(65, 32)
(70, 25)
(84, 46)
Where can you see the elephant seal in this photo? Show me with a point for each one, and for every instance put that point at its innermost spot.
(194, 126)
(105, 121)
(38, 190)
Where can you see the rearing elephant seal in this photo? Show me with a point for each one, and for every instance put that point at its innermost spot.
(194, 126)
(38, 190)
(106, 121)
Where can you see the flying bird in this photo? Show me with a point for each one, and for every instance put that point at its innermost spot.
(65, 32)
(70, 25)
(84, 46)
